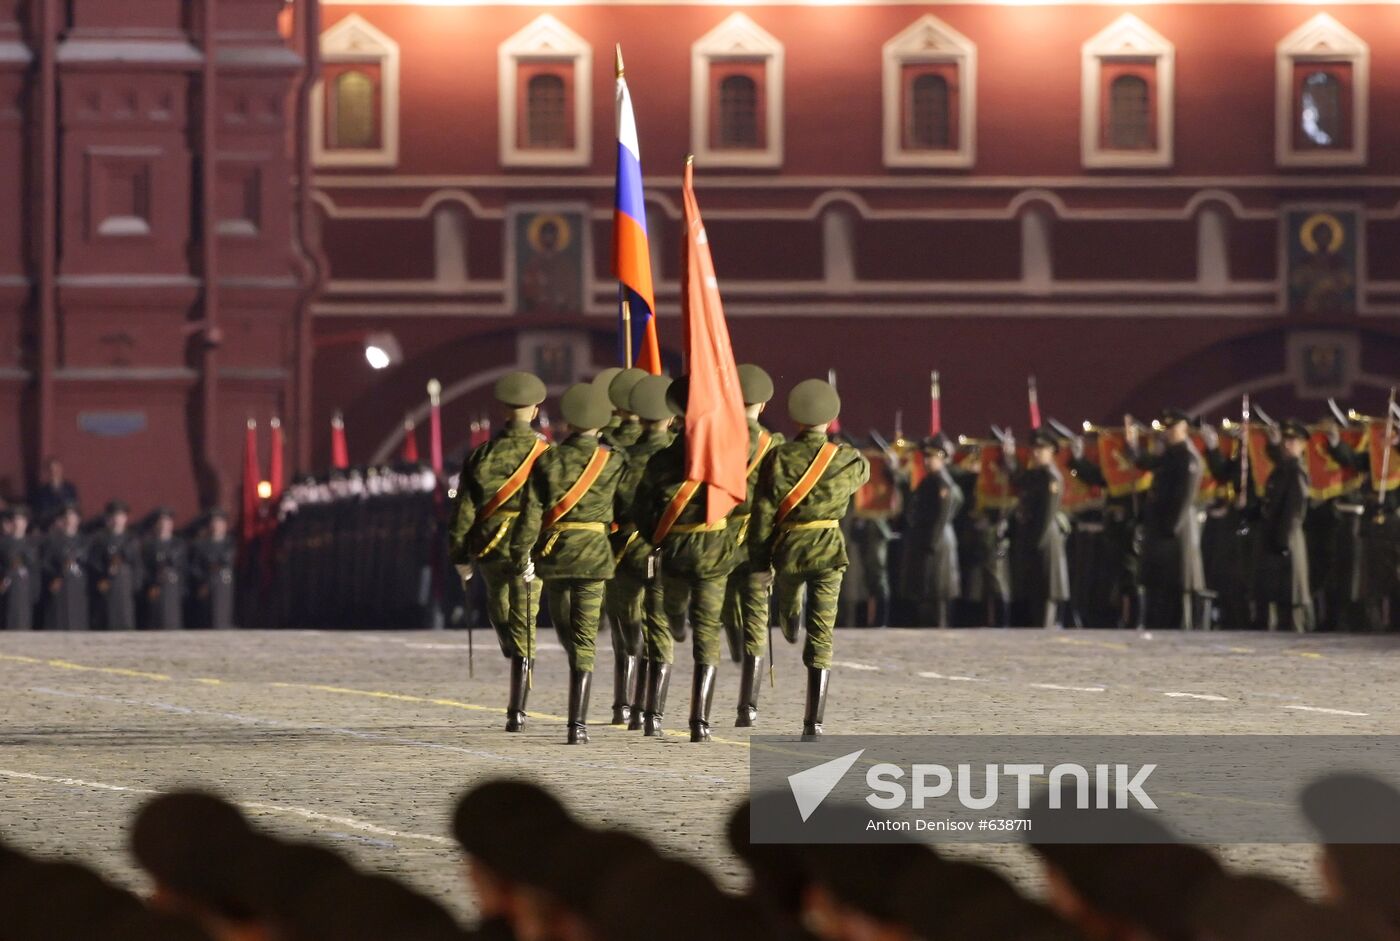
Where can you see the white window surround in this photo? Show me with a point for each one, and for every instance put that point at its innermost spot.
(930, 40)
(545, 39)
(1321, 39)
(1126, 39)
(355, 40)
(737, 38)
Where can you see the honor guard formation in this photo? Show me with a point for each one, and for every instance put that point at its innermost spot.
(537, 872)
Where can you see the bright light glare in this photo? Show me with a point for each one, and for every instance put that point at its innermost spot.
(265, 490)
(377, 357)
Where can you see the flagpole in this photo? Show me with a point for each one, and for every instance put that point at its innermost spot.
(1386, 447)
(626, 332)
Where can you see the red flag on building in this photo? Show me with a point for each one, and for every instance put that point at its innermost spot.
(340, 451)
(935, 405)
(277, 473)
(252, 476)
(717, 433)
(435, 425)
(409, 455)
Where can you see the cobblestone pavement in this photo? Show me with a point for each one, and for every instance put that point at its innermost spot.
(364, 739)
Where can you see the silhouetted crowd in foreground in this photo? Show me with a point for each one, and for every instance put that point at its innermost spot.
(539, 873)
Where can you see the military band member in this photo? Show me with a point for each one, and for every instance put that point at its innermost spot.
(1172, 572)
(1370, 533)
(115, 564)
(745, 615)
(624, 428)
(63, 558)
(1122, 538)
(1039, 566)
(489, 497)
(625, 592)
(567, 510)
(1284, 593)
(689, 566)
(213, 561)
(804, 489)
(165, 565)
(19, 571)
(929, 540)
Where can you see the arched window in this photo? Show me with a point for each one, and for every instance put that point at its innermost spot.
(354, 112)
(547, 116)
(738, 113)
(1129, 114)
(929, 124)
(1320, 109)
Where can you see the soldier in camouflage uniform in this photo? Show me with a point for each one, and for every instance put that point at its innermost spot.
(690, 565)
(804, 489)
(565, 516)
(624, 428)
(489, 498)
(631, 549)
(745, 614)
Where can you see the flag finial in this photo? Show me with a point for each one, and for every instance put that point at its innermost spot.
(690, 160)
(618, 60)
(434, 391)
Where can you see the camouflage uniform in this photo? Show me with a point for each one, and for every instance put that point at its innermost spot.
(512, 607)
(745, 613)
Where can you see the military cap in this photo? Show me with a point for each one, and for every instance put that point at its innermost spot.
(1041, 438)
(162, 512)
(577, 866)
(520, 390)
(813, 402)
(1353, 808)
(755, 383)
(678, 395)
(502, 822)
(186, 840)
(1292, 428)
(939, 442)
(606, 376)
(620, 388)
(648, 399)
(117, 506)
(1170, 416)
(17, 510)
(586, 406)
(216, 513)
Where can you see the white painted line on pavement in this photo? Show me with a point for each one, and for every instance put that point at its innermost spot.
(303, 812)
(1070, 689)
(853, 665)
(1209, 697)
(930, 675)
(1330, 712)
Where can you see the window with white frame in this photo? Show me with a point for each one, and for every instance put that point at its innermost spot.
(1126, 118)
(736, 106)
(545, 106)
(355, 105)
(1322, 78)
(930, 74)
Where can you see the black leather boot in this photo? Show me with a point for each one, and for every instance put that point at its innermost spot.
(624, 676)
(658, 680)
(579, 685)
(638, 694)
(817, 681)
(519, 693)
(702, 696)
(749, 684)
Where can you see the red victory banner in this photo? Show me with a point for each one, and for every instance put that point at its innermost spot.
(1261, 465)
(1077, 494)
(1326, 478)
(1384, 476)
(879, 498)
(1123, 475)
(994, 490)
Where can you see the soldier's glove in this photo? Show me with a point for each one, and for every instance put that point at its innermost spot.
(1076, 447)
(1332, 433)
(465, 571)
(1274, 435)
(1209, 436)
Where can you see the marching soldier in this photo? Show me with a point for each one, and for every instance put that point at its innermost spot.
(930, 544)
(688, 568)
(115, 563)
(804, 489)
(745, 615)
(489, 498)
(624, 427)
(19, 572)
(1284, 593)
(625, 592)
(165, 562)
(565, 516)
(1039, 566)
(62, 558)
(213, 560)
(1172, 570)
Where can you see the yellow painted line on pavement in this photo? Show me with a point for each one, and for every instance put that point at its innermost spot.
(70, 665)
(1308, 654)
(209, 680)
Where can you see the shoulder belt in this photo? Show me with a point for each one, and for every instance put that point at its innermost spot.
(514, 482)
(570, 499)
(765, 441)
(807, 481)
(684, 494)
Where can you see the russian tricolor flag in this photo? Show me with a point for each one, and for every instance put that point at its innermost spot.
(631, 253)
